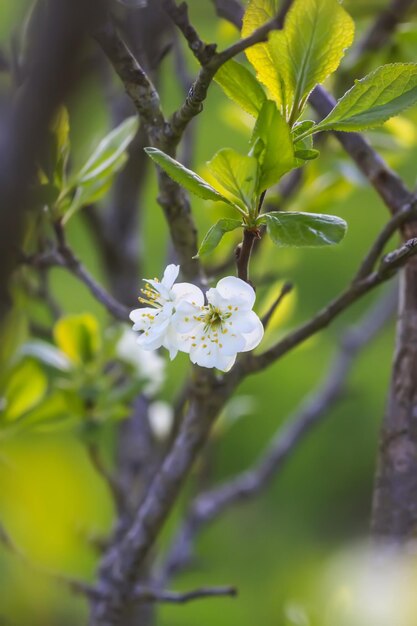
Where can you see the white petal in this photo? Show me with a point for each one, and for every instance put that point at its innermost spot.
(225, 363)
(170, 342)
(141, 317)
(185, 318)
(160, 288)
(150, 342)
(243, 322)
(154, 336)
(204, 355)
(231, 343)
(170, 276)
(235, 289)
(190, 293)
(254, 338)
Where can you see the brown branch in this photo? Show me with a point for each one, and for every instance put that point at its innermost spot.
(64, 257)
(179, 15)
(285, 290)
(207, 395)
(172, 197)
(194, 102)
(136, 82)
(405, 215)
(243, 254)
(210, 505)
(382, 29)
(389, 265)
(144, 594)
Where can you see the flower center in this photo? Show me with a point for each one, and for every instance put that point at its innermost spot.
(150, 296)
(214, 318)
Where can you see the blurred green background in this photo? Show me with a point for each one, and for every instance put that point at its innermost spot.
(276, 548)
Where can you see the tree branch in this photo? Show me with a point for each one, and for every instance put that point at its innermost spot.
(243, 253)
(285, 290)
(211, 504)
(389, 265)
(379, 33)
(207, 395)
(403, 216)
(172, 197)
(194, 102)
(230, 10)
(143, 594)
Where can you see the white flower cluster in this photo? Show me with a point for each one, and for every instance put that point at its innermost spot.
(211, 333)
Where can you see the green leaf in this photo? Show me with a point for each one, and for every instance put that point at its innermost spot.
(237, 175)
(303, 147)
(277, 156)
(108, 152)
(185, 177)
(304, 229)
(215, 234)
(307, 154)
(94, 179)
(25, 387)
(78, 337)
(240, 85)
(49, 414)
(91, 191)
(374, 99)
(307, 50)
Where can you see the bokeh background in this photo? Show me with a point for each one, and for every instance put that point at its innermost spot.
(279, 548)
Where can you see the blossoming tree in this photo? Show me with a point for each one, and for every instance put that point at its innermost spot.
(273, 72)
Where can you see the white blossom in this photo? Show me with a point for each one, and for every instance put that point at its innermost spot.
(161, 418)
(215, 333)
(149, 366)
(155, 321)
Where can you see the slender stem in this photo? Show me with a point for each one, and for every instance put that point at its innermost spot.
(243, 252)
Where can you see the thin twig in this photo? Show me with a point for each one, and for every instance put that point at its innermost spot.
(145, 97)
(179, 15)
(67, 258)
(211, 504)
(194, 102)
(382, 29)
(144, 594)
(285, 290)
(76, 586)
(113, 484)
(243, 254)
(389, 265)
(409, 212)
(230, 10)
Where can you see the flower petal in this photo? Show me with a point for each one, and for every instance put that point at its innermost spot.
(170, 276)
(231, 343)
(243, 322)
(204, 355)
(185, 318)
(225, 363)
(236, 290)
(142, 317)
(254, 338)
(160, 288)
(189, 292)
